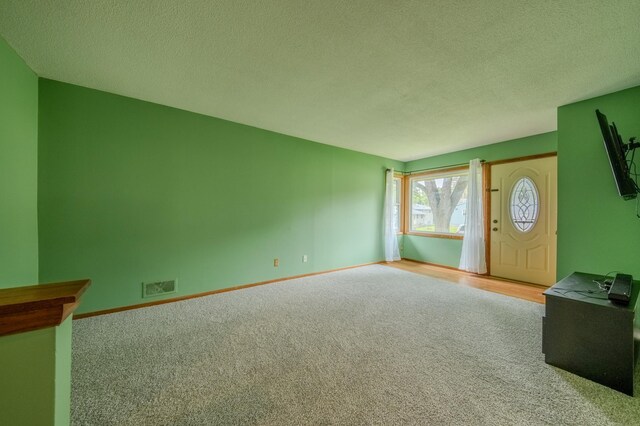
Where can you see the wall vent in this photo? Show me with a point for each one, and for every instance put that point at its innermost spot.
(158, 288)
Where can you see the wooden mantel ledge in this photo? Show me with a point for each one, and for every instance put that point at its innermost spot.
(38, 306)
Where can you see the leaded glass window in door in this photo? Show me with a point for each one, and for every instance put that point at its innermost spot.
(524, 204)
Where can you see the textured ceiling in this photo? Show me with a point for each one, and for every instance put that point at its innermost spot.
(400, 79)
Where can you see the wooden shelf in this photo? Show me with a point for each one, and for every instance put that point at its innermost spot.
(38, 306)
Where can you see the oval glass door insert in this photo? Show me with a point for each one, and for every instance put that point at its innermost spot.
(524, 205)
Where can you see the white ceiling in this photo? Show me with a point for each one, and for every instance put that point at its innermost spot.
(400, 79)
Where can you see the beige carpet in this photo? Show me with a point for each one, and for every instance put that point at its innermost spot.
(372, 345)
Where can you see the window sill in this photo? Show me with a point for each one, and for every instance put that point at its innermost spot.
(434, 235)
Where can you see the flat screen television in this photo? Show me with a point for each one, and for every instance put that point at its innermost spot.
(616, 150)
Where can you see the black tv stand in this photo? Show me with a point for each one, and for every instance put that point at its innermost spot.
(587, 334)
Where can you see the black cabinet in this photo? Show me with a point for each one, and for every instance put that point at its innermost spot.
(585, 333)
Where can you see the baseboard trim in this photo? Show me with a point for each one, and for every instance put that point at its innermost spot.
(438, 265)
(449, 267)
(209, 293)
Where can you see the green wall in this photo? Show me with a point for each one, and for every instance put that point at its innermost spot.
(28, 377)
(133, 192)
(35, 368)
(444, 251)
(18, 170)
(62, 373)
(598, 231)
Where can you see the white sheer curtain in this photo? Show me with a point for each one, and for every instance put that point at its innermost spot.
(473, 255)
(391, 251)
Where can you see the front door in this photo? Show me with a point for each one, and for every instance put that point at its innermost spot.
(523, 220)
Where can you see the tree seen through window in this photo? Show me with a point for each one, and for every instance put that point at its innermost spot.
(438, 203)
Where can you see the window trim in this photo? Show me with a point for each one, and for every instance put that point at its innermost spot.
(401, 177)
(407, 202)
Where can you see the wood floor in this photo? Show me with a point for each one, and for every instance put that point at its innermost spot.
(531, 292)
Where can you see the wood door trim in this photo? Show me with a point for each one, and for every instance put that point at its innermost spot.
(487, 197)
(523, 158)
(486, 201)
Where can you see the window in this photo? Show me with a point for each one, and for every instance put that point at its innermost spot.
(438, 202)
(524, 205)
(397, 203)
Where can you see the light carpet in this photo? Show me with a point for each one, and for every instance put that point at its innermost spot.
(371, 345)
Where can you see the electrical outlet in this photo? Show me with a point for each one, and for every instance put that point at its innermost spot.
(304, 258)
(276, 262)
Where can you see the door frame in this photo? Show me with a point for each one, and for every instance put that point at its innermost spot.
(486, 201)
